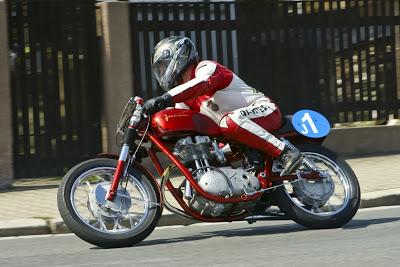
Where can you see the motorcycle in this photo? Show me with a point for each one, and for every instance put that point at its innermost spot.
(114, 201)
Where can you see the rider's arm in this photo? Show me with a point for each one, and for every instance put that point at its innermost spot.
(209, 77)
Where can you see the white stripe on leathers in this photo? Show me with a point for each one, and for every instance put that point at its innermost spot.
(203, 71)
(247, 124)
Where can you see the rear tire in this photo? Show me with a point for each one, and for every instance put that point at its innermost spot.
(290, 204)
(106, 239)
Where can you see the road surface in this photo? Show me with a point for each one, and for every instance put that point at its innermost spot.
(371, 239)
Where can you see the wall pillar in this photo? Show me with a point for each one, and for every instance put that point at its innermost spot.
(6, 133)
(116, 67)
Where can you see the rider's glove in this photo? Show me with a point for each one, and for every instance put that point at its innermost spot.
(158, 103)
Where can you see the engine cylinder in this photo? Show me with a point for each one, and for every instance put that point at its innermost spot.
(224, 182)
(189, 151)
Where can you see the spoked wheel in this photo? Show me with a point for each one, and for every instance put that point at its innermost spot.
(125, 221)
(326, 203)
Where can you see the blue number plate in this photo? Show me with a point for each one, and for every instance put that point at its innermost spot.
(311, 123)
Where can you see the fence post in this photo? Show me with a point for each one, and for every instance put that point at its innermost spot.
(397, 55)
(116, 68)
(6, 135)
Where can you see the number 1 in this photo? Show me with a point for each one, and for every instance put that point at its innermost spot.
(307, 118)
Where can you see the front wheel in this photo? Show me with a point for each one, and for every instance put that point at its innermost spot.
(125, 221)
(327, 203)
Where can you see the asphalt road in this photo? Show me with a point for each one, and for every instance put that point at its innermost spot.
(371, 239)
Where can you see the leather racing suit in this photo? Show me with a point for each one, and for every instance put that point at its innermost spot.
(243, 113)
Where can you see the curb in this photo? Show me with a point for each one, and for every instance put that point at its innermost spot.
(20, 227)
(388, 197)
(17, 227)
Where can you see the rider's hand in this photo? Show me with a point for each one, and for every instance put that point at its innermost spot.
(158, 103)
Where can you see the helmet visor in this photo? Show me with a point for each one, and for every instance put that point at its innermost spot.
(171, 59)
(162, 66)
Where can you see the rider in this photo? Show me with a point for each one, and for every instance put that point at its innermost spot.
(243, 113)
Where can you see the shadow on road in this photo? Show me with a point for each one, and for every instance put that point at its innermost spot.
(261, 230)
(249, 231)
(356, 224)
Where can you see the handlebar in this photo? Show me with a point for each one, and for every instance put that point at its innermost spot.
(138, 100)
(137, 114)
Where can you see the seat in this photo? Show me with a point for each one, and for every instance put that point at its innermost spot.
(286, 127)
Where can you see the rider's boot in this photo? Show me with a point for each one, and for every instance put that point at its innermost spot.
(291, 159)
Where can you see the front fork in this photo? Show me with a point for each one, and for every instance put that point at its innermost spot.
(118, 172)
(123, 162)
(129, 141)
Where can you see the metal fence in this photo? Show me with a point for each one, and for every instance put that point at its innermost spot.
(338, 57)
(212, 27)
(55, 85)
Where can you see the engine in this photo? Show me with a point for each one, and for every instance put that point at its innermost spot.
(219, 181)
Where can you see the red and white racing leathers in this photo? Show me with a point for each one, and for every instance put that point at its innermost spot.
(243, 113)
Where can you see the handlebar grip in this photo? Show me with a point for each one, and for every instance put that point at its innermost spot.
(138, 100)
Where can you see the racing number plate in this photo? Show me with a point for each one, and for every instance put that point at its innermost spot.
(311, 123)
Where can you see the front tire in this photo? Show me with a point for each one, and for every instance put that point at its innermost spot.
(332, 213)
(130, 219)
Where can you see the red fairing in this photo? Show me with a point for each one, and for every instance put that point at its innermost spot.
(177, 122)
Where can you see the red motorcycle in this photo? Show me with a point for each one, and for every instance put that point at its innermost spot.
(114, 201)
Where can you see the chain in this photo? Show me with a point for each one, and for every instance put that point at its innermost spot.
(270, 188)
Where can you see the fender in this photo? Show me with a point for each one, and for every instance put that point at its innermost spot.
(107, 156)
(296, 138)
(143, 170)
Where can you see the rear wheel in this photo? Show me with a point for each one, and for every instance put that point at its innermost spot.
(125, 221)
(327, 203)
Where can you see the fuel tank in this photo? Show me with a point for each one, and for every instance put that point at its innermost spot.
(181, 122)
